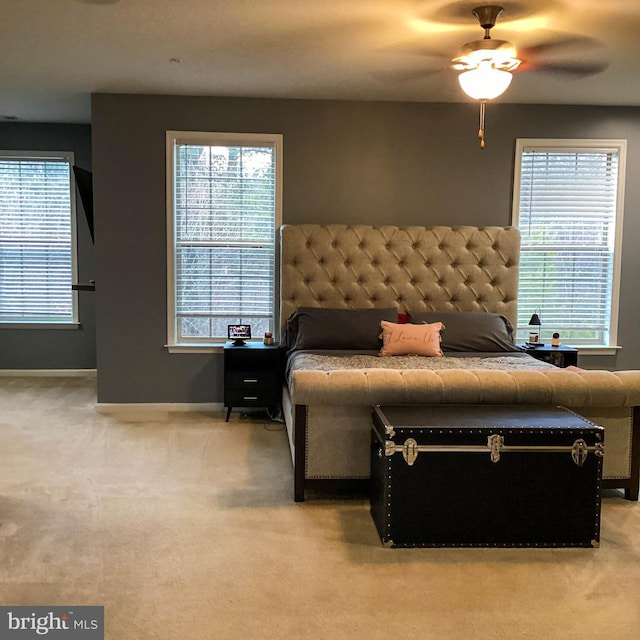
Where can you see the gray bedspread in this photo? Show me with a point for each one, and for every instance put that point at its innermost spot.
(344, 361)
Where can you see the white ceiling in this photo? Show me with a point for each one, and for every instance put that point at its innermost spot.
(55, 53)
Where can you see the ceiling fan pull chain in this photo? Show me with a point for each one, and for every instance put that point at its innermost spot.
(483, 104)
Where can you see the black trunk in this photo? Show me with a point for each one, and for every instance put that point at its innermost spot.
(540, 489)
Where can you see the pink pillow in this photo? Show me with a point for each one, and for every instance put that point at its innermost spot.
(410, 339)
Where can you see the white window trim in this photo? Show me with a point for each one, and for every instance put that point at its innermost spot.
(578, 144)
(69, 157)
(208, 138)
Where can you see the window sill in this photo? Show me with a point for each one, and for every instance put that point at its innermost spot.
(194, 348)
(41, 325)
(588, 350)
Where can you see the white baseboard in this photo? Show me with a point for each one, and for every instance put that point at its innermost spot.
(129, 407)
(46, 373)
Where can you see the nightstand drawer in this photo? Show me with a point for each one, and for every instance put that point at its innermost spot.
(249, 379)
(250, 398)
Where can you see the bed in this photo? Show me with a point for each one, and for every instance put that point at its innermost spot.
(342, 287)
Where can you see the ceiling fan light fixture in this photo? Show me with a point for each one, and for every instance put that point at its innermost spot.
(500, 53)
(485, 82)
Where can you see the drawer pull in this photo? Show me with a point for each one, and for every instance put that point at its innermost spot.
(249, 380)
(249, 397)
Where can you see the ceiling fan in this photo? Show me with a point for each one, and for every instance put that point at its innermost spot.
(486, 64)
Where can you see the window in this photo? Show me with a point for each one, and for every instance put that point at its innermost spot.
(37, 239)
(568, 200)
(223, 208)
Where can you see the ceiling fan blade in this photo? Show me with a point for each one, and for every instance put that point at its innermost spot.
(416, 47)
(579, 69)
(461, 11)
(400, 76)
(575, 55)
(565, 45)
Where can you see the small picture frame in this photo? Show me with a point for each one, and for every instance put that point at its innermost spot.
(239, 333)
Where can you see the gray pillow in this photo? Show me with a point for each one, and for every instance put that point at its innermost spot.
(470, 330)
(318, 328)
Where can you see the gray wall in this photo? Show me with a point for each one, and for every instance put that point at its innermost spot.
(346, 162)
(55, 348)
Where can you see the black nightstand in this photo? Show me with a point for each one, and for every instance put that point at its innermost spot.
(561, 356)
(252, 376)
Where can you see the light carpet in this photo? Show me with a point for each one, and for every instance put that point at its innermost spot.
(183, 526)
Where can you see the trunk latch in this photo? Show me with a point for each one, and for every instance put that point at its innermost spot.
(410, 451)
(495, 442)
(579, 451)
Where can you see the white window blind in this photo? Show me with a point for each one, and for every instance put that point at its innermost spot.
(224, 209)
(568, 207)
(37, 239)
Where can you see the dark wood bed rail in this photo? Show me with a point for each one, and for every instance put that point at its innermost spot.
(358, 487)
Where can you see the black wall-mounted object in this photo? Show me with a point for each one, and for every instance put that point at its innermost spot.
(84, 184)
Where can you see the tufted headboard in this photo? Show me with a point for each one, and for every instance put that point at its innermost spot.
(414, 268)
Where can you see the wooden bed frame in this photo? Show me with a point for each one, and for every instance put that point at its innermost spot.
(360, 486)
